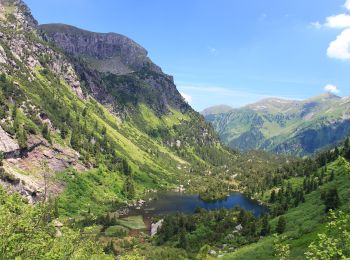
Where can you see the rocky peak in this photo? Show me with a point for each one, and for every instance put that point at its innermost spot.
(105, 52)
(17, 14)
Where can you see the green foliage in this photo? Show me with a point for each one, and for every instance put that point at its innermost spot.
(132, 222)
(116, 231)
(192, 232)
(305, 221)
(8, 177)
(27, 233)
(334, 243)
(46, 133)
(331, 199)
(266, 228)
(22, 137)
(129, 188)
(281, 250)
(97, 191)
(281, 225)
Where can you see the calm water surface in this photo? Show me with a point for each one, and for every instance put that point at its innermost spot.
(173, 202)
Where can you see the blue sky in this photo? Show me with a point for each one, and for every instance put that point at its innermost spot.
(227, 51)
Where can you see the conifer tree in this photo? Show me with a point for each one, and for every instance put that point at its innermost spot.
(331, 199)
(281, 225)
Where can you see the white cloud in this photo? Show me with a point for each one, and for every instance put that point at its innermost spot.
(316, 25)
(338, 21)
(187, 98)
(340, 47)
(332, 89)
(347, 4)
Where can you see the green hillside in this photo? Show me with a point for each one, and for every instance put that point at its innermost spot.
(285, 126)
(304, 222)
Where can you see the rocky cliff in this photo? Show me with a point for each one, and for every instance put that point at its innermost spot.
(116, 70)
(105, 52)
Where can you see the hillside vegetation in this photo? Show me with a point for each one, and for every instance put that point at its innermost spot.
(285, 126)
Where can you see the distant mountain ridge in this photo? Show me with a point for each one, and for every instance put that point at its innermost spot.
(214, 110)
(285, 126)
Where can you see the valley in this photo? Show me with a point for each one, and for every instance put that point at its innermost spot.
(101, 157)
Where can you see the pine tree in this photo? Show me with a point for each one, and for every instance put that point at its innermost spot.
(273, 196)
(22, 137)
(129, 188)
(126, 167)
(46, 133)
(266, 228)
(336, 152)
(183, 242)
(346, 150)
(331, 199)
(55, 210)
(281, 225)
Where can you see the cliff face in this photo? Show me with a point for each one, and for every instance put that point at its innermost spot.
(116, 70)
(105, 52)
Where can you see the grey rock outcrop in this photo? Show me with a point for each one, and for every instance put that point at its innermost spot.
(7, 144)
(105, 52)
(116, 70)
(156, 226)
(22, 49)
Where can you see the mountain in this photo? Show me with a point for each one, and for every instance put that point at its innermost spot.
(215, 110)
(285, 126)
(94, 106)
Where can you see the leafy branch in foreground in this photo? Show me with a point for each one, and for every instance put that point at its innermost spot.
(335, 242)
(27, 232)
(281, 250)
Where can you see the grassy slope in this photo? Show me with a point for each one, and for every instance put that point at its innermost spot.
(303, 222)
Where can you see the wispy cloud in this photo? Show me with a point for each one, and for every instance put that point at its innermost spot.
(332, 89)
(226, 91)
(316, 25)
